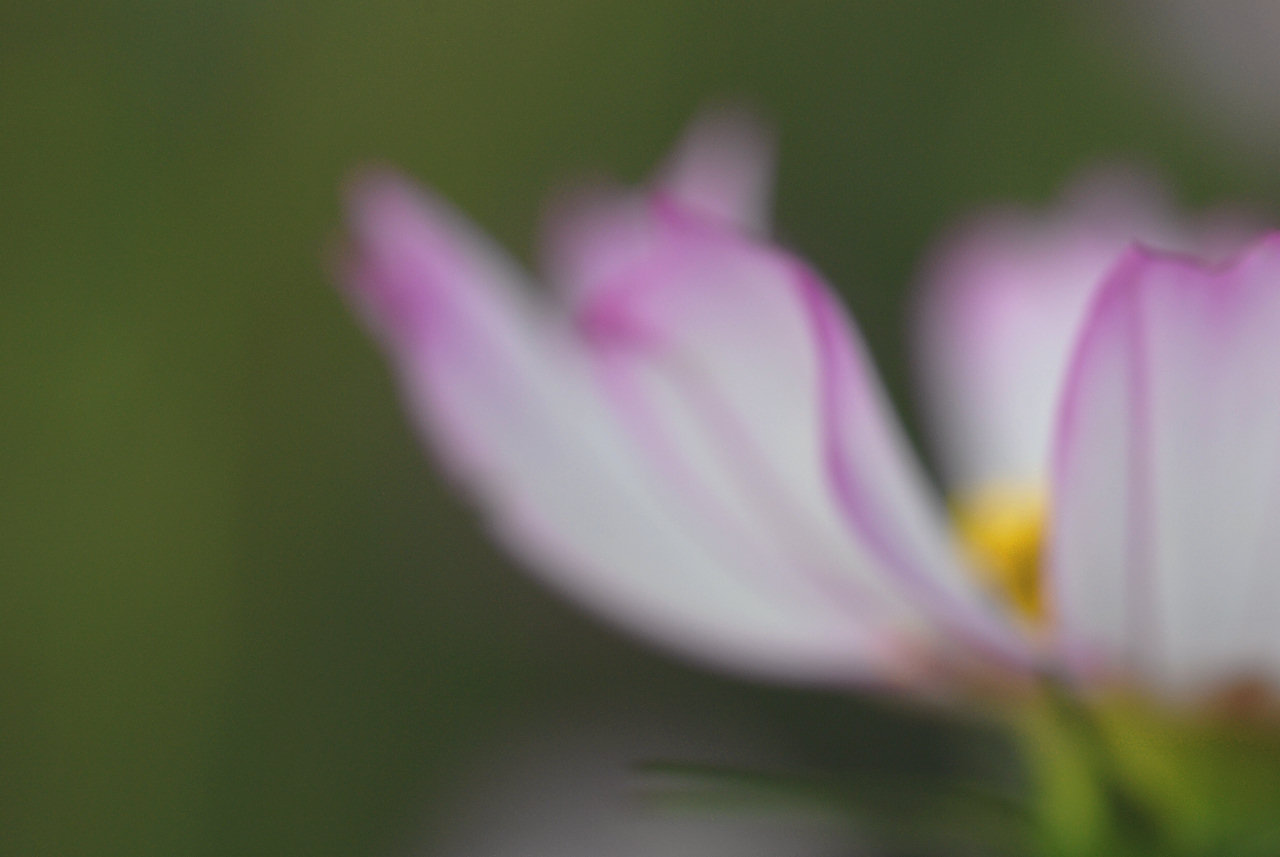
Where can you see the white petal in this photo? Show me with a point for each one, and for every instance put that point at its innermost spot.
(738, 365)
(1167, 474)
(1001, 305)
(514, 407)
(722, 170)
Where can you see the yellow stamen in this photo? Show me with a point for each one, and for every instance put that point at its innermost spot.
(1002, 528)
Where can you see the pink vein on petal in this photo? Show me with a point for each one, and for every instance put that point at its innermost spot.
(870, 525)
(608, 323)
(841, 370)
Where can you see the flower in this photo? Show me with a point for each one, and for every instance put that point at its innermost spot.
(685, 433)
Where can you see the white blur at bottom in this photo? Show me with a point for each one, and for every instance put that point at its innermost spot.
(575, 792)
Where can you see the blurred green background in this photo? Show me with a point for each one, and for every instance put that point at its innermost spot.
(240, 613)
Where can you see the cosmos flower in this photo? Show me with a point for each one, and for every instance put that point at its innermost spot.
(683, 430)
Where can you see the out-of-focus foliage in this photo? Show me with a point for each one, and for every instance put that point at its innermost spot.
(239, 614)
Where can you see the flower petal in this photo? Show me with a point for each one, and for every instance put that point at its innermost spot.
(748, 382)
(1001, 303)
(505, 391)
(1167, 473)
(722, 169)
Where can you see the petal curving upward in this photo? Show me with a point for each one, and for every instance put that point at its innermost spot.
(519, 412)
(744, 379)
(1166, 478)
(1000, 306)
(722, 169)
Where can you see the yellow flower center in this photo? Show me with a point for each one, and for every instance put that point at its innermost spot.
(1001, 527)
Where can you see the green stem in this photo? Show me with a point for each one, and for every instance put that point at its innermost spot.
(1088, 805)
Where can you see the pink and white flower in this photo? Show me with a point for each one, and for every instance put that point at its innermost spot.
(685, 433)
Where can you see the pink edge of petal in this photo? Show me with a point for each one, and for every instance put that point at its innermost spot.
(607, 323)
(405, 270)
(377, 280)
(396, 301)
(840, 368)
(1110, 292)
(589, 231)
(603, 315)
(1128, 276)
(835, 360)
(722, 168)
(641, 422)
(378, 283)
(1117, 287)
(1120, 284)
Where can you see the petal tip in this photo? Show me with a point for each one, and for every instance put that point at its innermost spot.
(723, 166)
